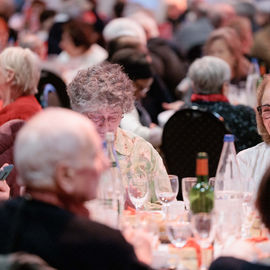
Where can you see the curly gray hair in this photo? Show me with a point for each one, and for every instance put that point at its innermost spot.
(208, 74)
(101, 85)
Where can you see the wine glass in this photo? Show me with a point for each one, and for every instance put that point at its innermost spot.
(211, 182)
(202, 225)
(178, 232)
(187, 184)
(167, 192)
(138, 190)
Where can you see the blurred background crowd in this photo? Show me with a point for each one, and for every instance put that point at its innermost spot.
(155, 41)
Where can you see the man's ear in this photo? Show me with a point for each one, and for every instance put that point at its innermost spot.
(64, 178)
(9, 75)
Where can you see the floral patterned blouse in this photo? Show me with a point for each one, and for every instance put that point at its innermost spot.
(138, 157)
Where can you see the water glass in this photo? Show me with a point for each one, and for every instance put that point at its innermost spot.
(212, 182)
(178, 232)
(202, 225)
(187, 184)
(138, 190)
(167, 193)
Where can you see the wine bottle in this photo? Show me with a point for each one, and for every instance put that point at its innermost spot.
(201, 196)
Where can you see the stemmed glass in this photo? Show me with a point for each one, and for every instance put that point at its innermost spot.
(167, 192)
(187, 184)
(202, 225)
(179, 231)
(138, 190)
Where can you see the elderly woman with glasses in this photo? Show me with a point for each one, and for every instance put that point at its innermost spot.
(104, 93)
(254, 161)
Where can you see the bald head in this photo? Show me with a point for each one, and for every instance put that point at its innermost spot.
(54, 137)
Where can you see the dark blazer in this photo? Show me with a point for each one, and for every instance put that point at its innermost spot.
(230, 263)
(65, 241)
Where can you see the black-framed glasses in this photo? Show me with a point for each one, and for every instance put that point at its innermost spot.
(264, 110)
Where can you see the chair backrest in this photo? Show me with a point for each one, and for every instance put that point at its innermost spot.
(186, 133)
(50, 78)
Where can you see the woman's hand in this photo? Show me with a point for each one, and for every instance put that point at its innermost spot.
(142, 243)
(176, 105)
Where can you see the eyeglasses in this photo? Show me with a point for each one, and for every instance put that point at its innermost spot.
(100, 119)
(264, 111)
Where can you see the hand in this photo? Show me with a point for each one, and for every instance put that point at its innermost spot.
(142, 243)
(4, 190)
(176, 105)
(4, 187)
(153, 125)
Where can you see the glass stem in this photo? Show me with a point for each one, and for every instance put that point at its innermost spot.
(204, 262)
(167, 211)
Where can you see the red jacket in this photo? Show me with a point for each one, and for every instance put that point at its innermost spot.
(23, 108)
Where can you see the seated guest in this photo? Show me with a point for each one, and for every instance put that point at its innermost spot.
(225, 44)
(210, 76)
(19, 79)
(60, 162)
(79, 49)
(245, 254)
(138, 69)
(254, 161)
(104, 93)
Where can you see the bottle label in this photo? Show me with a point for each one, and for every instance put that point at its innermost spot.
(202, 166)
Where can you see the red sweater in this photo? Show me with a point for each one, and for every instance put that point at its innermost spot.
(23, 108)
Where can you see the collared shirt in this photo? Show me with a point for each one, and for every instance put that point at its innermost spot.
(138, 157)
(253, 163)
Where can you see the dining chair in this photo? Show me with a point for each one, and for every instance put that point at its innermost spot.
(186, 133)
(57, 85)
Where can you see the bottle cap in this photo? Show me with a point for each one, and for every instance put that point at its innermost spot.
(202, 155)
(109, 137)
(228, 138)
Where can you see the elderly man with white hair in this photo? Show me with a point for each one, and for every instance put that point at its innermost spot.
(59, 159)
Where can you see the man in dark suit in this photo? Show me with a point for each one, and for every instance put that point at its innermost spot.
(59, 160)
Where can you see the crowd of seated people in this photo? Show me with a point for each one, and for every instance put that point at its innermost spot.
(120, 69)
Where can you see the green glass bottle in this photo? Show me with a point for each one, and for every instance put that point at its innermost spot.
(201, 196)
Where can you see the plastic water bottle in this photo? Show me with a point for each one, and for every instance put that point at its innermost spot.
(110, 191)
(115, 172)
(229, 190)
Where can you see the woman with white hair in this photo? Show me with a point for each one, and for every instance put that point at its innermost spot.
(211, 76)
(19, 76)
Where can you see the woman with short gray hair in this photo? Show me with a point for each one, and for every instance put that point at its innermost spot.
(210, 76)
